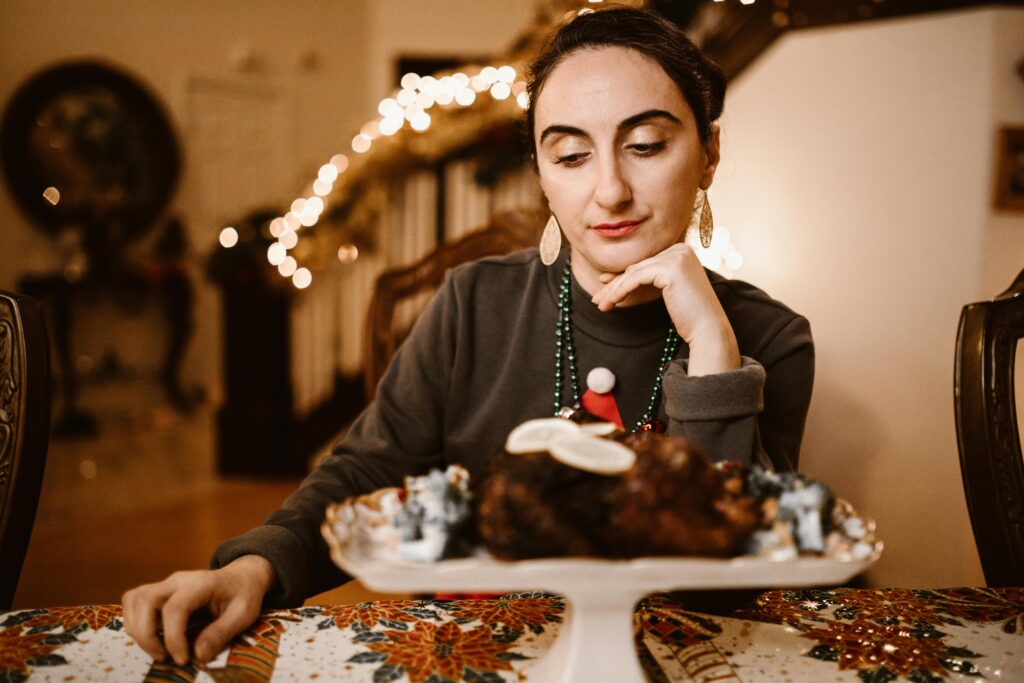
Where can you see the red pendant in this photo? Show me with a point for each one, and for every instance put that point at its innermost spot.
(602, 405)
(654, 426)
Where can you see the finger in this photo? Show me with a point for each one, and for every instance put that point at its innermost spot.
(606, 277)
(175, 615)
(141, 609)
(606, 299)
(238, 616)
(625, 284)
(614, 282)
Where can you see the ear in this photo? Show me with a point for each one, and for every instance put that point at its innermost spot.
(712, 155)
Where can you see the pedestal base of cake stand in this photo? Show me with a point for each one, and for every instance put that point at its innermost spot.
(594, 643)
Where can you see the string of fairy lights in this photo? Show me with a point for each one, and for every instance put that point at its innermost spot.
(410, 106)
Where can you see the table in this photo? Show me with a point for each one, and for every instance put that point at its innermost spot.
(841, 634)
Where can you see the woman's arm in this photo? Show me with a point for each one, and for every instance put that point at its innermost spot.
(286, 560)
(400, 433)
(755, 413)
(156, 615)
(715, 396)
(677, 276)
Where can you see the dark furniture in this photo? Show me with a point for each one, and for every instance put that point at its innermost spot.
(988, 434)
(258, 432)
(505, 233)
(24, 430)
(734, 34)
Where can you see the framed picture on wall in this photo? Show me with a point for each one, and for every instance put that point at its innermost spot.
(1010, 169)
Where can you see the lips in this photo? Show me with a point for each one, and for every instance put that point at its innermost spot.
(613, 230)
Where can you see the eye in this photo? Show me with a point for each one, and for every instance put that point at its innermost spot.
(646, 149)
(574, 159)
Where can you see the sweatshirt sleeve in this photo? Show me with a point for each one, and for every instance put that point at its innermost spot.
(398, 434)
(718, 412)
(755, 413)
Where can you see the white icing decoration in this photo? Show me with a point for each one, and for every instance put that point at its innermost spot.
(535, 436)
(593, 454)
(598, 428)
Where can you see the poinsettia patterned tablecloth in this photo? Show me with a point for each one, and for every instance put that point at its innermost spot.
(869, 635)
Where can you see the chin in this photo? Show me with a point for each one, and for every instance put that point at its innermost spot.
(615, 258)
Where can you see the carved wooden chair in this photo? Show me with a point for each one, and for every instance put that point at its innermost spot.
(988, 434)
(505, 233)
(24, 430)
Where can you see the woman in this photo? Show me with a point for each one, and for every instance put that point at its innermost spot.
(622, 120)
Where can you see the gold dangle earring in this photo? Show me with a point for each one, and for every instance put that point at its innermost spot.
(550, 242)
(707, 222)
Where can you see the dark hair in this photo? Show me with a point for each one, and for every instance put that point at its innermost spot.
(698, 78)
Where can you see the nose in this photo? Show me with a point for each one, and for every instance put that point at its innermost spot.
(612, 190)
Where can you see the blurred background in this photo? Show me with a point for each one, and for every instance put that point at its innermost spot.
(203, 193)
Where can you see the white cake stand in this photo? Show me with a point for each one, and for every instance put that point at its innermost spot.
(595, 642)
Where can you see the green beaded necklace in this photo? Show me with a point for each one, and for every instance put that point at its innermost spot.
(564, 345)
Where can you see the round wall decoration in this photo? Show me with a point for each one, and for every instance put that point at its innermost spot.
(85, 146)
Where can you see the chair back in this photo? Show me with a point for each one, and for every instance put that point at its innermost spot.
(988, 435)
(505, 233)
(24, 430)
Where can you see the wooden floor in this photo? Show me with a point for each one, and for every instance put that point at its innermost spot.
(137, 503)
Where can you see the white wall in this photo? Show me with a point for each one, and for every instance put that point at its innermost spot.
(1004, 239)
(856, 179)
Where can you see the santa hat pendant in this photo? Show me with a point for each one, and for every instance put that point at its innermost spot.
(598, 399)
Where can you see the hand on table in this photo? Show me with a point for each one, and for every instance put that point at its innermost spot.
(156, 614)
(691, 302)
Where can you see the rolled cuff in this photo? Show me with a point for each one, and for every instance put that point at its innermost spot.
(285, 553)
(726, 395)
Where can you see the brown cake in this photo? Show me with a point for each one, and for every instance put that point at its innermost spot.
(568, 489)
(672, 501)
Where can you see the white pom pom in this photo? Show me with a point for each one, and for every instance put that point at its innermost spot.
(600, 380)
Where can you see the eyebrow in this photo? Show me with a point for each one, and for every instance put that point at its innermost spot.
(629, 122)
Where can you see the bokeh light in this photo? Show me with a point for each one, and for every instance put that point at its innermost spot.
(347, 253)
(228, 237)
(360, 144)
(302, 278)
(289, 239)
(288, 267)
(327, 173)
(340, 162)
(276, 253)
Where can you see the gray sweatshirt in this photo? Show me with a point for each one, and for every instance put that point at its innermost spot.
(480, 360)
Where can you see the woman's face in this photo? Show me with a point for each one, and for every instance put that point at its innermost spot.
(619, 158)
